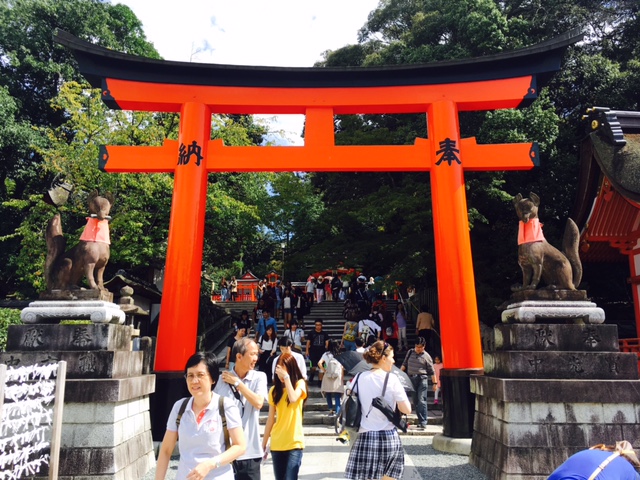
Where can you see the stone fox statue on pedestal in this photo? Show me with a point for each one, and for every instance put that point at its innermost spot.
(88, 258)
(537, 258)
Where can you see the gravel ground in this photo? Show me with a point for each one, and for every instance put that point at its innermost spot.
(429, 463)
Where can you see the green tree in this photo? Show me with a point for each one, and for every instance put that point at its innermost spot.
(601, 71)
(31, 72)
(139, 228)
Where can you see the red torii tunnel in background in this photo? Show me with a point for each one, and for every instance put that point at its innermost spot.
(439, 90)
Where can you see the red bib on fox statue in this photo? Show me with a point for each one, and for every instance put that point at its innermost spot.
(530, 232)
(96, 231)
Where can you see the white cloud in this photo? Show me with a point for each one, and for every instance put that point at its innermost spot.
(286, 33)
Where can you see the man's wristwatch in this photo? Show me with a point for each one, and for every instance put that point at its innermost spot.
(235, 385)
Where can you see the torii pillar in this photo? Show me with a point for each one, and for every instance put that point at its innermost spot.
(439, 90)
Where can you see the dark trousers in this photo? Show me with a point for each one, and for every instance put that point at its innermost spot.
(286, 464)
(248, 469)
(420, 389)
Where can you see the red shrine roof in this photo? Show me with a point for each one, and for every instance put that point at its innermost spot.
(607, 207)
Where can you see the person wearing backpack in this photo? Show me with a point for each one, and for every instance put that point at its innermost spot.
(367, 329)
(209, 427)
(332, 386)
(349, 334)
(377, 453)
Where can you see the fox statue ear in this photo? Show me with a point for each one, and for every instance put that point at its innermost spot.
(517, 199)
(534, 198)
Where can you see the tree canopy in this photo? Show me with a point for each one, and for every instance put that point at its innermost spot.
(385, 211)
(51, 123)
(52, 126)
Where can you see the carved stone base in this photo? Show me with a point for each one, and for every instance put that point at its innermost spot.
(557, 311)
(77, 294)
(55, 311)
(548, 294)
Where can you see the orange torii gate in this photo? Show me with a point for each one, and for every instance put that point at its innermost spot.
(439, 90)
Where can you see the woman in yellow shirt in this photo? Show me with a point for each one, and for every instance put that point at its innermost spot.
(284, 424)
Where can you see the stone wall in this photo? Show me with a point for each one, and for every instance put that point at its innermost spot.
(106, 429)
(548, 392)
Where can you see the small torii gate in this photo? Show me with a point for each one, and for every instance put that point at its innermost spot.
(440, 90)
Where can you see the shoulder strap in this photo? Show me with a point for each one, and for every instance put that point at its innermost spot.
(355, 385)
(183, 407)
(223, 416)
(604, 463)
(384, 387)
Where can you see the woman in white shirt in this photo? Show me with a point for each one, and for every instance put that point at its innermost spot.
(296, 335)
(268, 347)
(377, 452)
(203, 454)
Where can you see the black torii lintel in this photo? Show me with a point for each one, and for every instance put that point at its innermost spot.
(97, 63)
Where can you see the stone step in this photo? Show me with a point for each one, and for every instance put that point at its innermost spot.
(316, 411)
(323, 418)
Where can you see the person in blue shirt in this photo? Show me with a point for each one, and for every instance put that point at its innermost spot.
(601, 462)
(266, 321)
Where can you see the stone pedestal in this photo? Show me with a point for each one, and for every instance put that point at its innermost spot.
(549, 391)
(106, 429)
(52, 311)
(541, 311)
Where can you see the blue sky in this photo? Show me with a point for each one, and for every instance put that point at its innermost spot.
(287, 33)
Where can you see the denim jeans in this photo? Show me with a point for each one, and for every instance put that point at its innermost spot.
(286, 464)
(349, 346)
(420, 387)
(330, 398)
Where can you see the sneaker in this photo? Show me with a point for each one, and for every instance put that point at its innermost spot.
(420, 427)
(331, 413)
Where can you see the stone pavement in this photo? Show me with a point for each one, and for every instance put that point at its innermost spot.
(326, 458)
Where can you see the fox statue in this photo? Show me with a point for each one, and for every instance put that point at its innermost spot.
(539, 259)
(64, 271)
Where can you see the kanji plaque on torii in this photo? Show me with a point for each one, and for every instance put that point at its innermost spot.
(439, 90)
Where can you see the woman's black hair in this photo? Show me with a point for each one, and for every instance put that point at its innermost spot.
(285, 341)
(272, 337)
(211, 362)
(334, 347)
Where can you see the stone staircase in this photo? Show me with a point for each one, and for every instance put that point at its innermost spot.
(316, 410)
(316, 414)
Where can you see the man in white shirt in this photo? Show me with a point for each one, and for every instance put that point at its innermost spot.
(311, 290)
(367, 328)
(285, 344)
(248, 388)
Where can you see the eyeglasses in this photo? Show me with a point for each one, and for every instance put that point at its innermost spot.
(195, 376)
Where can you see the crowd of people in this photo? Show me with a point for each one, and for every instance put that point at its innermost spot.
(217, 427)
(272, 363)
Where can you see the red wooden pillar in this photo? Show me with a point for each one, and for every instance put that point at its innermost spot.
(181, 300)
(461, 346)
(634, 269)
(456, 287)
